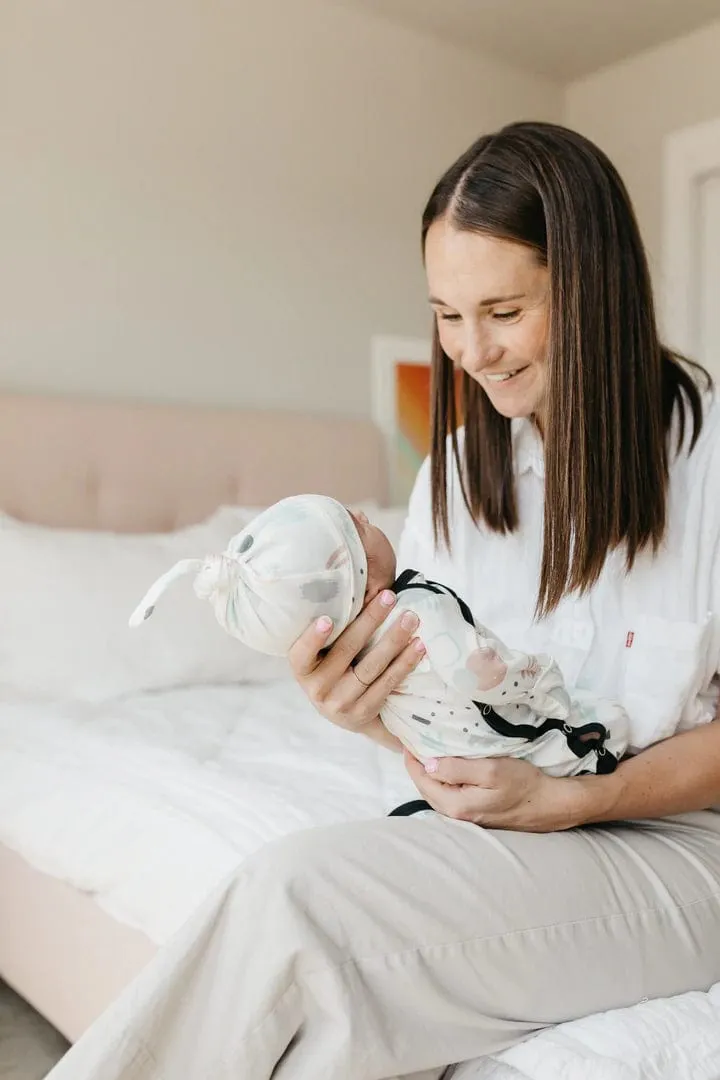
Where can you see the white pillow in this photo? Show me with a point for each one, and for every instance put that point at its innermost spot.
(66, 599)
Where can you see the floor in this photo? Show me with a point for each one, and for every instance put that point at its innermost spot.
(29, 1047)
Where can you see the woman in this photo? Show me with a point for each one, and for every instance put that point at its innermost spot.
(578, 515)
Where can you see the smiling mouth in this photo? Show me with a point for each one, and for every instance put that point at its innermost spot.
(504, 376)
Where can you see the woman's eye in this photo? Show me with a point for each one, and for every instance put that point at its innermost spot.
(448, 317)
(506, 316)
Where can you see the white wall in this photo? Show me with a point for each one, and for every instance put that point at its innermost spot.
(629, 109)
(219, 200)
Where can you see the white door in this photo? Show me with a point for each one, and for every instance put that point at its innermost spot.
(692, 243)
(709, 293)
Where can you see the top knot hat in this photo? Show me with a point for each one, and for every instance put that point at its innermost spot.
(299, 559)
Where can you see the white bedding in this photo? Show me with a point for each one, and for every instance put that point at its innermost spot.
(672, 1039)
(147, 803)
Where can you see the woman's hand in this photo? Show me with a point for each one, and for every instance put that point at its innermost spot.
(351, 696)
(499, 793)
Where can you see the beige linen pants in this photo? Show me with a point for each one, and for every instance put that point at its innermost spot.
(395, 947)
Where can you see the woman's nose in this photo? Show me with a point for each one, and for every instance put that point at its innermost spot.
(480, 353)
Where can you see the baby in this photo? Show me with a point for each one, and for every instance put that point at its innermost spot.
(470, 696)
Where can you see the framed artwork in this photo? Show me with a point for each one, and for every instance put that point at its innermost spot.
(401, 407)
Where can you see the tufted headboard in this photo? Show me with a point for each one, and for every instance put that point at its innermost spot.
(150, 468)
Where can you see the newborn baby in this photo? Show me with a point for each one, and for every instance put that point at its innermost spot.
(470, 696)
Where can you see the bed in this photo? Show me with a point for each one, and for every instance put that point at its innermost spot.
(136, 469)
(133, 775)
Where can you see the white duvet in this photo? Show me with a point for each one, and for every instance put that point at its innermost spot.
(146, 804)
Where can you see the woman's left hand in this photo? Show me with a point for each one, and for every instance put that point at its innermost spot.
(499, 793)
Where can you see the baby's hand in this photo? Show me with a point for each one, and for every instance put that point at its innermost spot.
(487, 667)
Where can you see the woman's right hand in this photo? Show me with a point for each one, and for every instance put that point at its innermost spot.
(351, 695)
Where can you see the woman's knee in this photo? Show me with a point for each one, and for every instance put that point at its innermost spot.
(295, 892)
(297, 868)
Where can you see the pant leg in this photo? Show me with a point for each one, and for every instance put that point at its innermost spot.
(389, 948)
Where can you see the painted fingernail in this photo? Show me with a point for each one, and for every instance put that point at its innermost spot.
(387, 599)
(431, 765)
(419, 646)
(409, 621)
(323, 624)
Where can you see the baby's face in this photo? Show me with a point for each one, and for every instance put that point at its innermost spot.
(380, 556)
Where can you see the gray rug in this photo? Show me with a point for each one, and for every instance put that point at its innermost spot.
(29, 1047)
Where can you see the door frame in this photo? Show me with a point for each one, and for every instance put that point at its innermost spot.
(689, 156)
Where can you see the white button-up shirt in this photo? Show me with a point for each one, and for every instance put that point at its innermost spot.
(649, 639)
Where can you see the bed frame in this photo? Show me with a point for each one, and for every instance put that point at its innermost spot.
(140, 468)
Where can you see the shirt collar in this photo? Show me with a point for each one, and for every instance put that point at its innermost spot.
(527, 448)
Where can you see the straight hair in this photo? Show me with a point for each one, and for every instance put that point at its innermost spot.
(613, 390)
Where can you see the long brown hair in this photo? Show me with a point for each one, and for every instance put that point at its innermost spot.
(612, 387)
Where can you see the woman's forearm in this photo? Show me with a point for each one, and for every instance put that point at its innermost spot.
(675, 776)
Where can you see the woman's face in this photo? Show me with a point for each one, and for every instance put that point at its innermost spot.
(490, 298)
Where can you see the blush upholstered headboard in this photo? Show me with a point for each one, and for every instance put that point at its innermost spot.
(150, 468)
